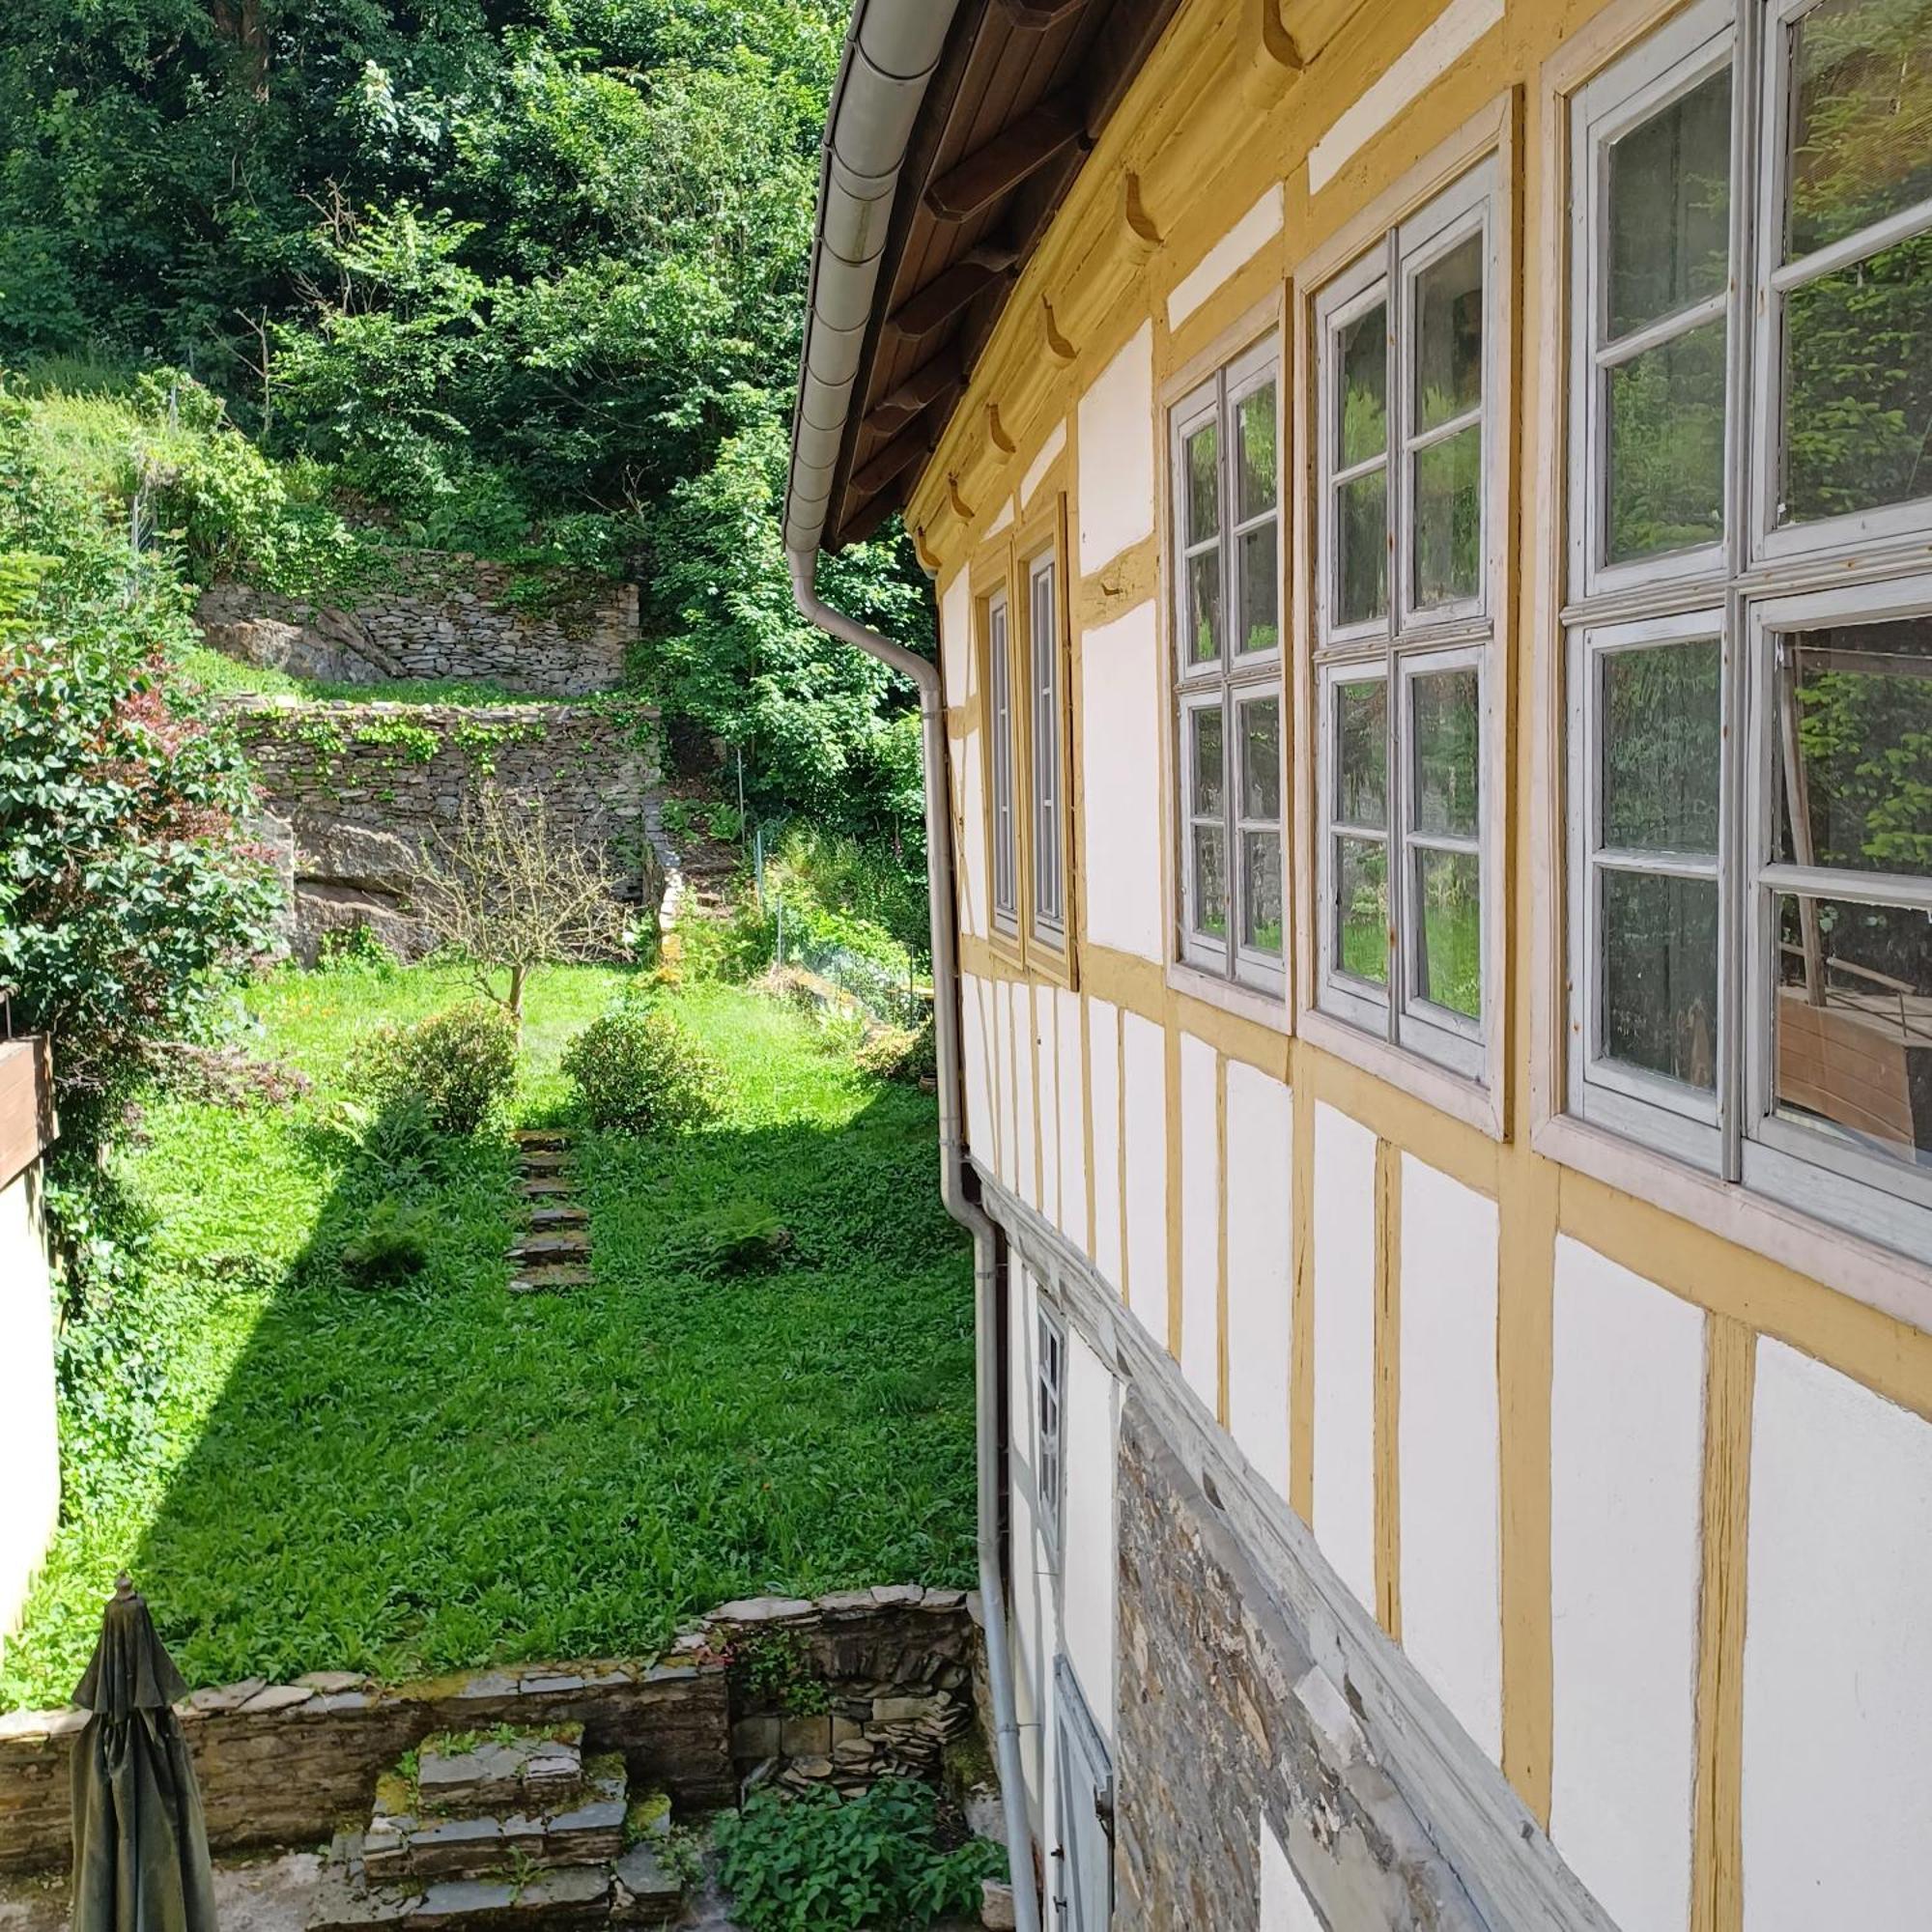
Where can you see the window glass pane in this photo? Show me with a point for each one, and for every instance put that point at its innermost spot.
(1853, 1022)
(1449, 335)
(1666, 480)
(1204, 483)
(1361, 910)
(1047, 897)
(1211, 880)
(1260, 617)
(1854, 747)
(1449, 518)
(999, 670)
(1261, 892)
(1446, 725)
(1361, 348)
(1260, 759)
(1449, 945)
(1661, 733)
(1361, 537)
(1669, 207)
(1858, 385)
(1860, 117)
(1204, 606)
(1255, 435)
(1210, 761)
(1361, 752)
(1660, 968)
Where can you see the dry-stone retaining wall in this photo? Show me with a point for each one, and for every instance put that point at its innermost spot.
(842, 1690)
(438, 615)
(352, 792)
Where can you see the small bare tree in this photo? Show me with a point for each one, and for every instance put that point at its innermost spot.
(508, 890)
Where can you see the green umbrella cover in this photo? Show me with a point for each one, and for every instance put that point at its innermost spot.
(140, 1848)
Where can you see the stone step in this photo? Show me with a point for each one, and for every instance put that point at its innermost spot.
(546, 1186)
(549, 1279)
(546, 1160)
(541, 1140)
(566, 1215)
(539, 1250)
(584, 1828)
(528, 1771)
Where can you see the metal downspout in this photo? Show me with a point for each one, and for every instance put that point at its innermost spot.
(966, 1211)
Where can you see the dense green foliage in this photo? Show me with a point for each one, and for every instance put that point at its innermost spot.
(455, 1066)
(440, 1474)
(637, 1070)
(875, 1863)
(526, 280)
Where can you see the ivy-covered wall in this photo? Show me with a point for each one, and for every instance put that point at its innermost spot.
(353, 791)
(437, 614)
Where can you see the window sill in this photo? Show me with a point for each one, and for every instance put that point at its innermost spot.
(1875, 1276)
(1467, 1100)
(1230, 996)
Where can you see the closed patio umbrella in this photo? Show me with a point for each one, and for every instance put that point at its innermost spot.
(140, 1848)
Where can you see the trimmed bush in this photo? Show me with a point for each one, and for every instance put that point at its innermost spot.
(638, 1072)
(458, 1062)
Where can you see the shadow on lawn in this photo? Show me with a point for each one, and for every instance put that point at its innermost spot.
(410, 1480)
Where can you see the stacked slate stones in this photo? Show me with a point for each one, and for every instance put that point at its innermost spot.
(553, 1251)
(513, 1830)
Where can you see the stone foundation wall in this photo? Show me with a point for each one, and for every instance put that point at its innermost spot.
(352, 792)
(843, 1689)
(438, 615)
(1214, 1731)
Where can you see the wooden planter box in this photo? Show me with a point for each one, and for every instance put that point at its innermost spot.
(27, 1124)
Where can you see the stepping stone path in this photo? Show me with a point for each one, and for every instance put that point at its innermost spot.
(554, 1252)
(512, 1832)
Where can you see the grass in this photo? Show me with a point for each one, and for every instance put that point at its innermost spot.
(407, 1482)
(229, 677)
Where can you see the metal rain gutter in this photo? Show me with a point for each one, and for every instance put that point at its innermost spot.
(891, 54)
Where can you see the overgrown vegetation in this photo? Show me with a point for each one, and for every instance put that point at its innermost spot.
(454, 1066)
(638, 1071)
(308, 1474)
(875, 1862)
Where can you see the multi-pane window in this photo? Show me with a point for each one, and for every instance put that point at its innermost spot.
(1225, 465)
(1403, 350)
(1023, 639)
(1749, 666)
(1051, 1397)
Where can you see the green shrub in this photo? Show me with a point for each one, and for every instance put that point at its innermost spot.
(638, 1072)
(458, 1063)
(898, 1053)
(393, 1245)
(742, 1238)
(871, 1863)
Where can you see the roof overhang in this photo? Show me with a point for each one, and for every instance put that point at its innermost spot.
(955, 129)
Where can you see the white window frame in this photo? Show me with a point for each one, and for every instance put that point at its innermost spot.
(1233, 679)
(1408, 640)
(1049, 1429)
(1757, 582)
(1046, 776)
(1002, 860)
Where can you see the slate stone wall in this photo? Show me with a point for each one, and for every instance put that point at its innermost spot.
(437, 614)
(1211, 1729)
(287, 1764)
(352, 792)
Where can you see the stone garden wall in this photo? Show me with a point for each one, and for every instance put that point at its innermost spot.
(438, 615)
(839, 1690)
(352, 792)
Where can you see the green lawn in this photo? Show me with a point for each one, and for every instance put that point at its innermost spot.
(411, 1481)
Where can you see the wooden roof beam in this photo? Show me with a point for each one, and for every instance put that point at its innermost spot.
(936, 377)
(1034, 17)
(911, 445)
(998, 166)
(951, 290)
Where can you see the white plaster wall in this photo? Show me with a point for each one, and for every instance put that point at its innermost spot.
(29, 1442)
(1200, 1223)
(1627, 1436)
(1086, 1556)
(1144, 1071)
(1116, 485)
(1285, 1907)
(960, 677)
(1004, 1087)
(1121, 710)
(1046, 1064)
(1449, 1448)
(1032, 1610)
(1103, 1047)
(1043, 460)
(1837, 1678)
(1261, 1261)
(1026, 1117)
(1344, 1348)
(1240, 244)
(1071, 1084)
(955, 637)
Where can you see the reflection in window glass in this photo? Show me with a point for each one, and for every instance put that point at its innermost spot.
(1204, 483)
(1361, 752)
(1853, 1023)
(1204, 605)
(1661, 730)
(1666, 446)
(1261, 594)
(1255, 432)
(1361, 910)
(1261, 759)
(1361, 543)
(1449, 335)
(1659, 974)
(1669, 207)
(1449, 940)
(1210, 760)
(1000, 703)
(1448, 517)
(1446, 729)
(1049, 896)
(1211, 880)
(1362, 350)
